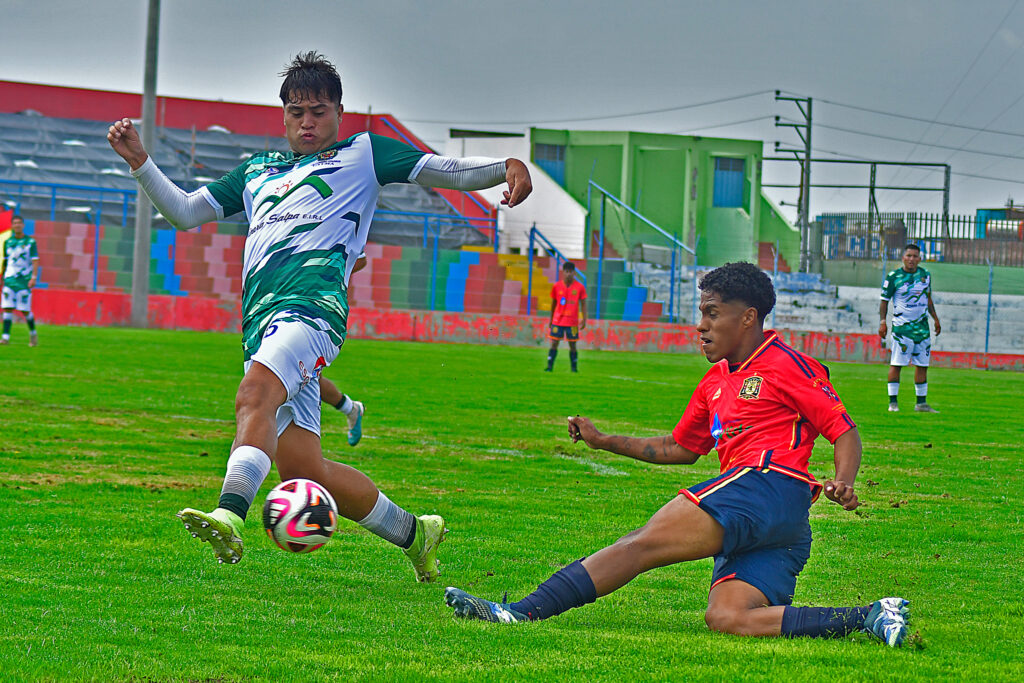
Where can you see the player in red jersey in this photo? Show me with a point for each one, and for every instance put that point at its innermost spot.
(760, 406)
(568, 314)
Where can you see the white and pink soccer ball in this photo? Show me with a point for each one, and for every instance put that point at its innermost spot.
(300, 515)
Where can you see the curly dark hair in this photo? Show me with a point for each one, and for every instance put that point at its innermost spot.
(741, 282)
(310, 76)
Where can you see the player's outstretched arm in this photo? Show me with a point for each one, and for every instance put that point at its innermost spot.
(476, 173)
(660, 450)
(847, 457)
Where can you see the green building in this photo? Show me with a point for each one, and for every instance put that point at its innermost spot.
(703, 191)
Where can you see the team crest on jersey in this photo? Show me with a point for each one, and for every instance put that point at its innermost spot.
(329, 154)
(751, 388)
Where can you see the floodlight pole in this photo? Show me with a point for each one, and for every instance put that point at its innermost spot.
(143, 207)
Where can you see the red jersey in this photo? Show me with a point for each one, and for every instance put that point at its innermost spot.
(767, 411)
(567, 303)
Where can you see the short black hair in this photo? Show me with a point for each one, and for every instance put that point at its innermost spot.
(569, 266)
(911, 245)
(310, 76)
(17, 217)
(742, 282)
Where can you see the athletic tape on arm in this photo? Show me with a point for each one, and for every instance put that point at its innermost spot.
(470, 173)
(182, 209)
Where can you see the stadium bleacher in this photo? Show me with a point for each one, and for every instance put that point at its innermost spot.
(62, 175)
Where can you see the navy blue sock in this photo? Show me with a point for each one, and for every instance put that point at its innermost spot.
(572, 358)
(822, 622)
(31, 323)
(551, 357)
(567, 588)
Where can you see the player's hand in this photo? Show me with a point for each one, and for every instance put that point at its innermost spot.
(519, 184)
(124, 139)
(883, 329)
(32, 282)
(938, 328)
(840, 492)
(581, 428)
(583, 324)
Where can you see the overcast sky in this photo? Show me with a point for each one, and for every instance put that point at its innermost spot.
(601, 65)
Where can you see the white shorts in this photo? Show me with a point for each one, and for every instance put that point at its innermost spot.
(908, 352)
(297, 354)
(18, 299)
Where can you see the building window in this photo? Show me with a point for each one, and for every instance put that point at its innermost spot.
(729, 182)
(551, 158)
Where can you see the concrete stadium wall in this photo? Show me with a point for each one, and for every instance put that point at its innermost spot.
(67, 307)
(946, 277)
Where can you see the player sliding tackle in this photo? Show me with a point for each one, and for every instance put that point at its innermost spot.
(761, 406)
(309, 212)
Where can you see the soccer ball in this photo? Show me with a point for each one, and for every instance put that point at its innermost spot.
(300, 515)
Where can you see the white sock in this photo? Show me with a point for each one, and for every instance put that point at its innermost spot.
(390, 522)
(894, 389)
(248, 466)
(921, 389)
(346, 405)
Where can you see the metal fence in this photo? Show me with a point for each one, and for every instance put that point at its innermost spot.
(976, 240)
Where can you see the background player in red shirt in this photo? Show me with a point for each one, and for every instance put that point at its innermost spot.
(760, 406)
(568, 314)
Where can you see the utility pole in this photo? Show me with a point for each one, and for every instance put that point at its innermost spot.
(143, 207)
(804, 157)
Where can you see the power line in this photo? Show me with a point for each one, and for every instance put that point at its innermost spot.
(920, 119)
(593, 118)
(683, 131)
(918, 143)
(977, 57)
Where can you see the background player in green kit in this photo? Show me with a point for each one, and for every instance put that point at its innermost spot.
(309, 212)
(910, 290)
(20, 262)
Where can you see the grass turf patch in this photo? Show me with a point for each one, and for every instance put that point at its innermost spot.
(108, 432)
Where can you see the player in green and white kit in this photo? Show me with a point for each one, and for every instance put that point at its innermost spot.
(910, 290)
(20, 262)
(309, 212)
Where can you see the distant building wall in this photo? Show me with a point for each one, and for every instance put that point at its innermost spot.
(704, 191)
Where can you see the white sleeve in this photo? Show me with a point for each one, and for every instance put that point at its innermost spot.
(470, 173)
(182, 209)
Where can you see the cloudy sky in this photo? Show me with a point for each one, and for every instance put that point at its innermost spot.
(912, 80)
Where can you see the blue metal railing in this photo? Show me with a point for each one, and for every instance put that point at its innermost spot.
(560, 258)
(676, 248)
(56, 191)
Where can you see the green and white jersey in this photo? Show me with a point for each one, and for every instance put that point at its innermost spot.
(19, 252)
(308, 222)
(909, 294)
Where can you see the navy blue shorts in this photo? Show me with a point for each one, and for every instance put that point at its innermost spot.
(767, 536)
(564, 332)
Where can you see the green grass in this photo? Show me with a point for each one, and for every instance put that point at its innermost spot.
(106, 433)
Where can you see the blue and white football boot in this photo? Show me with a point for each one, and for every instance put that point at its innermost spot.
(471, 607)
(887, 620)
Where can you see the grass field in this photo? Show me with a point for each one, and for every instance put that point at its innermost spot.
(106, 433)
